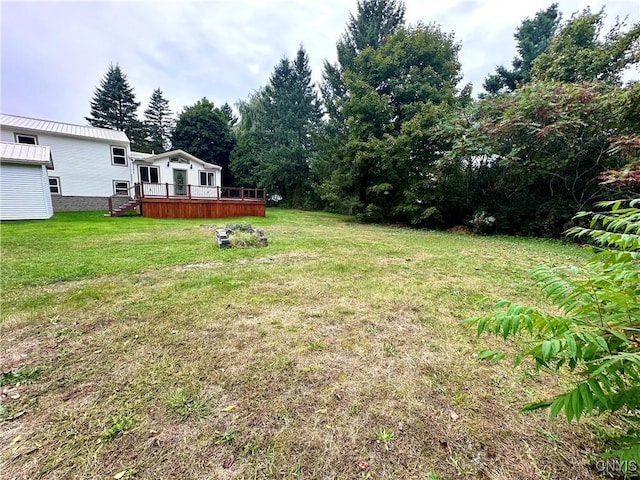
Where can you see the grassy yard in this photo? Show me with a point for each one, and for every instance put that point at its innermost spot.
(335, 352)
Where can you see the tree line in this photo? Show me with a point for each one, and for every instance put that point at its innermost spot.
(390, 136)
(202, 129)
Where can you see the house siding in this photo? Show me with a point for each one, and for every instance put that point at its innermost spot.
(24, 192)
(166, 172)
(83, 165)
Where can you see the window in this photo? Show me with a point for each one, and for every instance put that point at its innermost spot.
(121, 187)
(118, 156)
(54, 185)
(208, 179)
(149, 174)
(28, 139)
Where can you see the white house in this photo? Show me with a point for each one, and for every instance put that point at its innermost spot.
(90, 164)
(93, 164)
(24, 183)
(176, 173)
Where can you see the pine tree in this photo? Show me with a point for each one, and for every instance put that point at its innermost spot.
(114, 105)
(276, 134)
(533, 37)
(159, 123)
(374, 21)
(232, 119)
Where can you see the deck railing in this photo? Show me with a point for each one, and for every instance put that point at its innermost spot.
(170, 190)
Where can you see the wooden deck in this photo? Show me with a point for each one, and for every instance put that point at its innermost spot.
(163, 200)
(201, 208)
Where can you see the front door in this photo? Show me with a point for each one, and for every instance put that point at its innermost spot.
(180, 182)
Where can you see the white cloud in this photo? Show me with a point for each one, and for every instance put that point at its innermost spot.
(55, 54)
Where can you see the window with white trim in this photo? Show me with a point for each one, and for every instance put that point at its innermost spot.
(118, 155)
(121, 187)
(149, 174)
(26, 139)
(54, 185)
(208, 179)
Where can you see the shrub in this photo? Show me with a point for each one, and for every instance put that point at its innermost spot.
(483, 223)
(597, 333)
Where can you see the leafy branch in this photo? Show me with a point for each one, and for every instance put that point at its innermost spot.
(596, 335)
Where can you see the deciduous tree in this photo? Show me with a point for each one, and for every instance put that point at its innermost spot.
(375, 166)
(203, 131)
(579, 52)
(593, 332)
(535, 155)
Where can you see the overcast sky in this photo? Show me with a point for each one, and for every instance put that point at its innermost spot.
(54, 54)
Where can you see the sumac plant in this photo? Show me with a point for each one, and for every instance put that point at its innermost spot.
(595, 335)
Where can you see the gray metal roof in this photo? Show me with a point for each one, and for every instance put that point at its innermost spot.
(35, 125)
(23, 153)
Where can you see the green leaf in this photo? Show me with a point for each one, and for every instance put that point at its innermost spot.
(536, 405)
(571, 344)
(568, 406)
(494, 355)
(586, 396)
(557, 405)
(577, 405)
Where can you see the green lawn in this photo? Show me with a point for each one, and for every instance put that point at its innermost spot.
(335, 352)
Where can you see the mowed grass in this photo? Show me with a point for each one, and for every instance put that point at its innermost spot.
(335, 352)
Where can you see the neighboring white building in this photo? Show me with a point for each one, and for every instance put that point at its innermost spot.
(91, 164)
(24, 183)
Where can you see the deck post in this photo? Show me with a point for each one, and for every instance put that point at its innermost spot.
(110, 206)
(189, 190)
(242, 193)
(218, 189)
(167, 189)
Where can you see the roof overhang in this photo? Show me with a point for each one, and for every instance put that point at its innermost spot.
(173, 156)
(37, 126)
(24, 154)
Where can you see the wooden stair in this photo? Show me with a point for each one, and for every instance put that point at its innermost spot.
(124, 208)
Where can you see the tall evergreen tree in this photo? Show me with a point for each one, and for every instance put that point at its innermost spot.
(114, 105)
(390, 83)
(411, 77)
(276, 134)
(159, 123)
(373, 22)
(231, 117)
(533, 37)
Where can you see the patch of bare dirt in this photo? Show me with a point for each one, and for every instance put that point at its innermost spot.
(460, 229)
(18, 352)
(191, 266)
